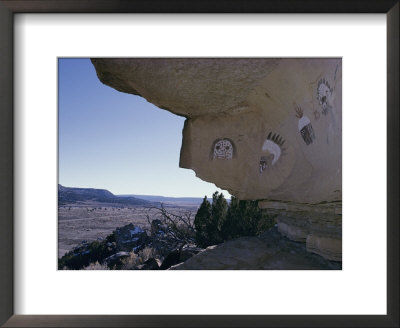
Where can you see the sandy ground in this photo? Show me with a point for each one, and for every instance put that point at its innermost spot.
(90, 222)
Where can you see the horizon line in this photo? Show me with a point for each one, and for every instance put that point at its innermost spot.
(135, 194)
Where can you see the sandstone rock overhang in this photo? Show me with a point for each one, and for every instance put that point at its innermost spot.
(261, 128)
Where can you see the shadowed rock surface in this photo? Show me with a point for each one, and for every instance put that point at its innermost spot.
(130, 238)
(269, 251)
(150, 264)
(319, 226)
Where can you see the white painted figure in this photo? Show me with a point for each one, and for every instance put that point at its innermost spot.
(271, 151)
(223, 149)
(324, 95)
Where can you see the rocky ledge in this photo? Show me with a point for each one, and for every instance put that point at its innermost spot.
(268, 251)
(319, 226)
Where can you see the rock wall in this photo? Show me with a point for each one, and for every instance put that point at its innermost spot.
(261, 128)
(319, 226)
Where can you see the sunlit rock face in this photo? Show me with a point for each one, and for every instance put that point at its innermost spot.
(265, 129)
(259, 128)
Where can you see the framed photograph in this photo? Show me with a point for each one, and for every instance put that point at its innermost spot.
(81, 85)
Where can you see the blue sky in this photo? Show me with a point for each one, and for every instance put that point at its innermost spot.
(118, 141)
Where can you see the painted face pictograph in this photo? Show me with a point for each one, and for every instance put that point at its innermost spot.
(324, 95)
(223, 149)
(305, 128)
(271, 151)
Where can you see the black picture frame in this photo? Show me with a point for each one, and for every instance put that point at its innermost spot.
(10, 7)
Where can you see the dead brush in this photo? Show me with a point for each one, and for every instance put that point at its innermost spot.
(131, 262)
(96, 266)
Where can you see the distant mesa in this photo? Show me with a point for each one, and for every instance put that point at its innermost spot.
(170, 200)
(86, 196)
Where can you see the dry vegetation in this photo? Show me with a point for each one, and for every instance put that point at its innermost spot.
(88, 223)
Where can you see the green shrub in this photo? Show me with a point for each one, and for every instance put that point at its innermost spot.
(209, 220)
(82, 256)
(111, 237)
(221, 221)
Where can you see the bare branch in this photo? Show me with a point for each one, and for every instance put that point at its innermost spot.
(179, 227)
